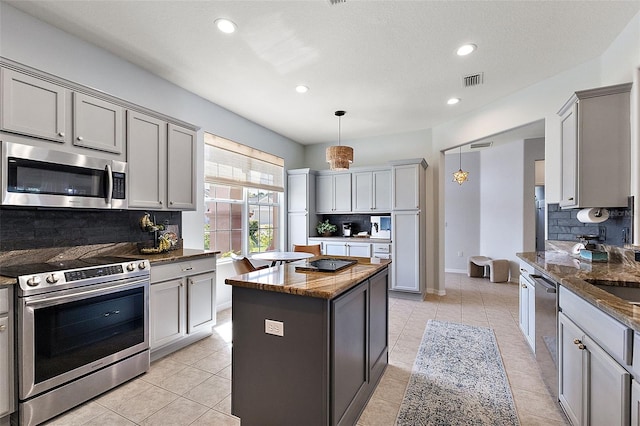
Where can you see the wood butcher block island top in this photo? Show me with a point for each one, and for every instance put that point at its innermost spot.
(324, 285)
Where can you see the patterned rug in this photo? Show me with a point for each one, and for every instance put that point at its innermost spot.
(457, 379)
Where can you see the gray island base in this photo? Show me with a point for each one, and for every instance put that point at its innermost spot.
(332, 352)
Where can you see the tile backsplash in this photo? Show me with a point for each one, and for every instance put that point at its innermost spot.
(564, 226)
(22, 229)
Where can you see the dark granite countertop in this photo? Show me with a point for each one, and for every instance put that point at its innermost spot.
(571, 272)
(128, 250)
(324, 285)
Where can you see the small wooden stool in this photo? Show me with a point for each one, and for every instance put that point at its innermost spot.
(498, 268)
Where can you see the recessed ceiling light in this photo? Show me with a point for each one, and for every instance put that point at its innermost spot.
(225, 25)
(302, 89)
(465, 49)
(453, 101)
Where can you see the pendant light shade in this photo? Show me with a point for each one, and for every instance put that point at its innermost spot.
(460, 176)
(339, 157)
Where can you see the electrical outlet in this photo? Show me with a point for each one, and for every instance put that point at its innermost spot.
(274, 327)
(460, 254)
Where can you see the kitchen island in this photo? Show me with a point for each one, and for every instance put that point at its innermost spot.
(308, 347)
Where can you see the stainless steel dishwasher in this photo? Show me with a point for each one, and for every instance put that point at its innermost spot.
(546, 330)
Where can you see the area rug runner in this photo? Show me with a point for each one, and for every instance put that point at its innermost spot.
(457, 379)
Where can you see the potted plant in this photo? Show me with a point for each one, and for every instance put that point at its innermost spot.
(326, 229)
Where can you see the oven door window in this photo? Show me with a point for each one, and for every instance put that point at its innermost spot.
(40, 177)
(78, 333)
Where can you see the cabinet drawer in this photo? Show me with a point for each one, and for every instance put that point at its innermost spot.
(182, 268)
(525, 268)
(4, 300)
(613, 336)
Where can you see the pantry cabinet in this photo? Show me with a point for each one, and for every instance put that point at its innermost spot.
(181, 304)
(301, 219)
(596, 148)
(161, 159)
(333, 193)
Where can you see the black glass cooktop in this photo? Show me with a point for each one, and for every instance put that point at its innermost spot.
(325, 265)
(16, 271)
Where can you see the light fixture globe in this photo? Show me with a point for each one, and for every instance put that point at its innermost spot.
(339, 157)
(460, 176)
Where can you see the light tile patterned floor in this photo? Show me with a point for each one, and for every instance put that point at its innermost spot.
(193, 386)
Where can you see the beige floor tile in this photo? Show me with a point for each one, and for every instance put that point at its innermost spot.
(161, 369)
(79, 415)
(144, 404)
(216, 418)
(109, 418)
(225, 373)
(211, 392)
(379, 412)
(536, 404)
(216, 361)
(124, 393)
(390, 389)
(181, 412)
(184, 381)
(224, 406)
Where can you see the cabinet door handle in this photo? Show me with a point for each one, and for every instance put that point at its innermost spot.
(160, 202)
(570, 198)
(80, 138)
(3, 327)
(61, 134)
(581, 347)
(523, 285)
(170, 203)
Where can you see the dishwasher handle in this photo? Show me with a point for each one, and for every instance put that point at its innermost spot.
(544, 282)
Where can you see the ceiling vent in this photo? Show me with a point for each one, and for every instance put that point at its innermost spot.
(479, 145)
(472, 79)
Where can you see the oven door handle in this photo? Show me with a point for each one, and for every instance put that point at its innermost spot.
(540, 280)
(56, 300)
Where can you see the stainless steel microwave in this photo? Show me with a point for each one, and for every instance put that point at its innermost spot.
(40, 177)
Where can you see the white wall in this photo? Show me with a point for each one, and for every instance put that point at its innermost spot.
(462, 211)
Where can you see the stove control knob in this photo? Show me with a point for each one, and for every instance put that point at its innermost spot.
(52, 279)
(33, 281)
(142, 265)
(131, 267)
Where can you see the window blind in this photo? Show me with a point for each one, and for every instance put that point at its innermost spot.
(231, 163)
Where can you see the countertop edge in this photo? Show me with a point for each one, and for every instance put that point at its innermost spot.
(617, 308)
(270, 279)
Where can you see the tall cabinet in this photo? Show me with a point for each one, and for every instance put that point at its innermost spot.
(408, 200)
(301, 205)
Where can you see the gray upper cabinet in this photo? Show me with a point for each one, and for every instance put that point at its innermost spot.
(371, 191)
(147, 158)
(181, 170)
(161, 159)
(97, 124)
(406, 187)
(34, 107)
(333, 193)
(596, 148)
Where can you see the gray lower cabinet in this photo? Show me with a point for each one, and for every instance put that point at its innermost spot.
(181, 304)
(6, 356)
(324, 368)
(635, 403)
(594, 388)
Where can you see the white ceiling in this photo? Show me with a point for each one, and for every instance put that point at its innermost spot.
(390, 64)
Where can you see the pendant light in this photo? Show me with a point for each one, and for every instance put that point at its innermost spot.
(339, 157)
(460, 176)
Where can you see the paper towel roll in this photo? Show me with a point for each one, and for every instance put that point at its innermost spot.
(593, 215)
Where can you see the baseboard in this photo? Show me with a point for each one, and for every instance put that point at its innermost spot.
(455, 271)
(437, 293)
(223, 306)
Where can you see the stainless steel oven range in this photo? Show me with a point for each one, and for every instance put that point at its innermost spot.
(82, 329)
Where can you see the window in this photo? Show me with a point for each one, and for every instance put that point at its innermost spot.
(243, 198)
